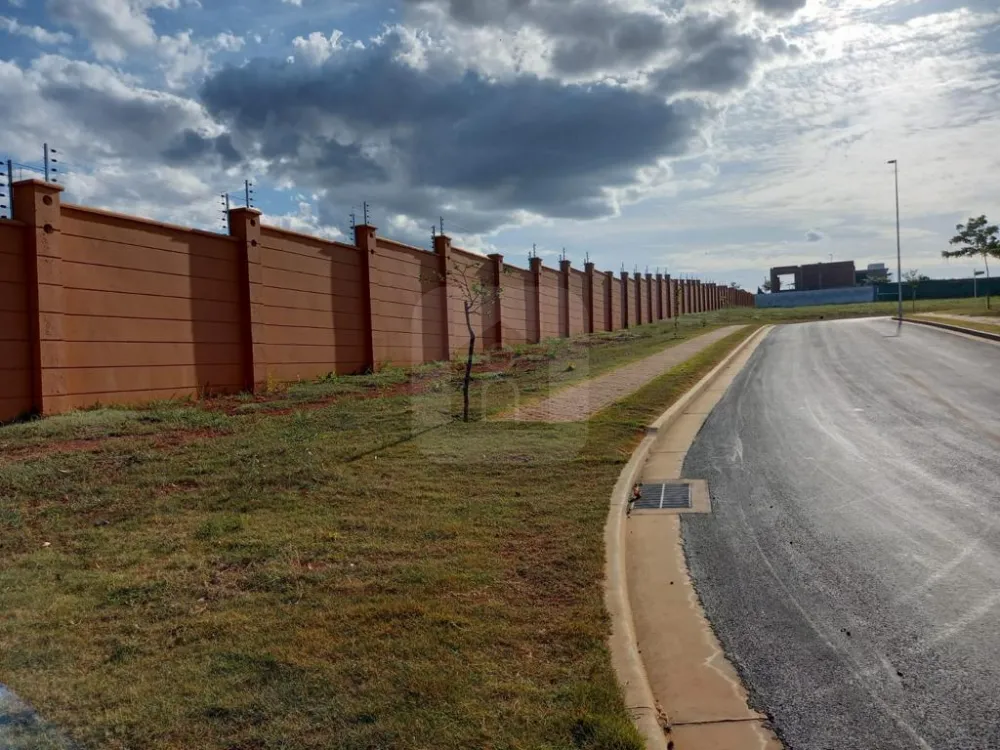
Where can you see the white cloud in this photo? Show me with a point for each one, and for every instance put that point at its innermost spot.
(316, 48)
(305, 221)
(229, 42)
(808, 146)
(800, 146)
(35, 33)
(185, 59)
(182, 58)
(112, 27)
(110, 132)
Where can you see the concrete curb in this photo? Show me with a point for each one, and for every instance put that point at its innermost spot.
(625, 656)
(955, 329)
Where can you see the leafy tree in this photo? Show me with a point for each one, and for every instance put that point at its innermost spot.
(976, 238)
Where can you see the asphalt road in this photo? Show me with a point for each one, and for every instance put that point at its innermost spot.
(851, 566)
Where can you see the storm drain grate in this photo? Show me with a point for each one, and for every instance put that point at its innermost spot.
(661, 496)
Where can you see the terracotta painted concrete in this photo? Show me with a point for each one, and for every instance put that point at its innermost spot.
(15, 329)
(548, 295)
(516, 306)
(98, 307)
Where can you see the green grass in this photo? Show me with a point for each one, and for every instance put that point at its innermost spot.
(964, 322)
(338, 563)
(560, 362)
(965, 306)
(353, 568)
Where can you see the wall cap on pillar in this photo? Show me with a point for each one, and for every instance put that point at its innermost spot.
(55, 187)
(245, 210)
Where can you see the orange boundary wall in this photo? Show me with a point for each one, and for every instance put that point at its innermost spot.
(98, 307)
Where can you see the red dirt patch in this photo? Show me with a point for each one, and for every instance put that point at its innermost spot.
(415, 384)
(170, 439)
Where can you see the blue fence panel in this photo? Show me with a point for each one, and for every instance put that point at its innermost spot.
(843, 296)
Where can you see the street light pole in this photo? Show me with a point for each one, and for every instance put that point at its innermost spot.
(899, 255)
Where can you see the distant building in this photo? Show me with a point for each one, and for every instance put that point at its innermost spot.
(815, 276)
(874, 271)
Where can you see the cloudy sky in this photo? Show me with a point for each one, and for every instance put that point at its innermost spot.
(710, 137)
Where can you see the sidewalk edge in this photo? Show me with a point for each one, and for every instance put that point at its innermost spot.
(954, 329)
(625, 656)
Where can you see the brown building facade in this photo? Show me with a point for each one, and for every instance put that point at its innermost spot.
(815, 276)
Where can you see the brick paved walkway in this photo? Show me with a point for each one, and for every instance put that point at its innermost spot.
(579, 402)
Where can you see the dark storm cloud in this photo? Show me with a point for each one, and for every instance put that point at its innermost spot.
(416, 140)
(718, 59)
(779, 8)
(192, 147)
(480, 12)
(587, 36)
(723, 67)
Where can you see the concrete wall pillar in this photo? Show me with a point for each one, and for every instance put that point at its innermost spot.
(244, 225)
(638, 302)
(649, 293)
(626, 318)
(496, 307)
(535, 266)
(637, 279)
(36, 204)
(589, 314)
(564, 271)
(668, 297)
(608, 280)
(442, 249)
(660, 310)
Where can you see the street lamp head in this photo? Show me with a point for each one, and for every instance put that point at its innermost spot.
(891, 161)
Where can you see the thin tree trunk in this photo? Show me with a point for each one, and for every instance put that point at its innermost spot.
(468, 363)
(987, 262)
